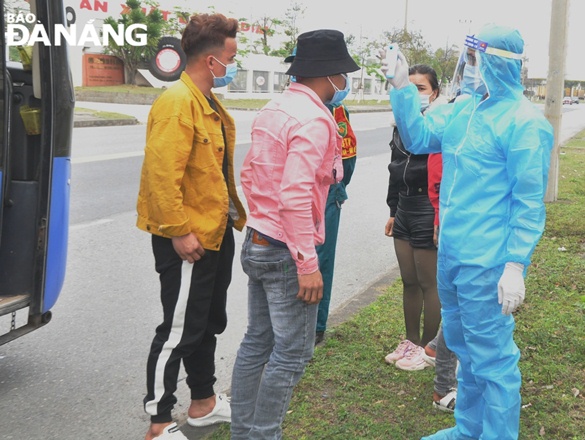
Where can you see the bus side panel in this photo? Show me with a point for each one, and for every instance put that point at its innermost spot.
(58, 231)
(1, 199)
(19, 239)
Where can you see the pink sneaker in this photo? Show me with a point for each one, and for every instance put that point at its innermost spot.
(413, 360)
(400, 351)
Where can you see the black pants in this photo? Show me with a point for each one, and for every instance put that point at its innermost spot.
(194, 311)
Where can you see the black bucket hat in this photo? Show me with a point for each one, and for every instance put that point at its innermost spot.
(291, 57)
(321, 53)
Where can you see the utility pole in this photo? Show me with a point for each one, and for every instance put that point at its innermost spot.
(362, 56)
(406, 16)
(555, 82)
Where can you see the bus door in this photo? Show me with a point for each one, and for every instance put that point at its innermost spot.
(37, 105)
(4, 111)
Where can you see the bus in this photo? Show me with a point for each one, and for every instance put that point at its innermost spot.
(36, 121)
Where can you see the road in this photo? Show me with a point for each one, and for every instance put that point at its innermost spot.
(82, 376)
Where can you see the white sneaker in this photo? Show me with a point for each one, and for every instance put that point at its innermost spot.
(400, 351)
(430, 355)
(171, 432)
(413, 360)
(221, 413)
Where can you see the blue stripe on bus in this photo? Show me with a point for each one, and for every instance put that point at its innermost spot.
(58, 231)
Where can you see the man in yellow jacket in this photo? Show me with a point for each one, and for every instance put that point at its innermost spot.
(188, 202)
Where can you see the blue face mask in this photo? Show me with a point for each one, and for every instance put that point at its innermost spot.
(230, 72)
(339, 95)
(472, 82)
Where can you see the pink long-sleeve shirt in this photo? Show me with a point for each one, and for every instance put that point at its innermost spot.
(294, 157)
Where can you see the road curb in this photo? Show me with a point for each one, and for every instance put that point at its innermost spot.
(99, 122)
(364, 298)
(81, 120)
(116, 97)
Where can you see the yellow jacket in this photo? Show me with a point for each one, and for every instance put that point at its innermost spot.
(182, 187)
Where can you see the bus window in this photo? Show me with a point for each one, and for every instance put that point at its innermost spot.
(35, 169)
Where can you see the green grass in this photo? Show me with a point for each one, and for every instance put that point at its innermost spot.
(101, 114)
(259, 103)
(125, 88)
(229, 103)
(348, 392)
(244, 103)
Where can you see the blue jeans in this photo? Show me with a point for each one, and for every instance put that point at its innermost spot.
(277, 346)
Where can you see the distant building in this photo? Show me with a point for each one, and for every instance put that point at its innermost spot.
(265, 76)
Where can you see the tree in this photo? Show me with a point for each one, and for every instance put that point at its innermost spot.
(291, 29)
(364, 54)
(570, 84)
(411, 44)
(415, 49)
(176, 23)
(16, 7)
(263, 28)
(267, 26)
(131, 55)
(444, 62)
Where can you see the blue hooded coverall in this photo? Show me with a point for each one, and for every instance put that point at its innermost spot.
(496, 155)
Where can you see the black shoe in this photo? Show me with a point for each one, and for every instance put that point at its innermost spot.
(319, 336)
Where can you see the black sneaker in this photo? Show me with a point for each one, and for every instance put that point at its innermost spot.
(319, 336)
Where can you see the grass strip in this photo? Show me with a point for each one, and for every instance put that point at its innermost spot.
(235, 104)
(101, 114)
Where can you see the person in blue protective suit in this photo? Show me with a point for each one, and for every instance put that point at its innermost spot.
(496, 153)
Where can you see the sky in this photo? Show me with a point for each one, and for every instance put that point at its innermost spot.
(439, 21)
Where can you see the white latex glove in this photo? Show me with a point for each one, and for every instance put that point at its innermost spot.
(511, 290)
(400, 79)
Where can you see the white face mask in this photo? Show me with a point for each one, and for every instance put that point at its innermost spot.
(472, 81)
(425, 101)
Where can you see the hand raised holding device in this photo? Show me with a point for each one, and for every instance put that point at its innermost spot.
(394, 66)
(391, 59)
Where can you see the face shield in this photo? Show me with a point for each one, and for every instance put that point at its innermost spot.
(467, 79)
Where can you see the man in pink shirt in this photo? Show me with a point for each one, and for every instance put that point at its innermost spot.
(294, 157)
